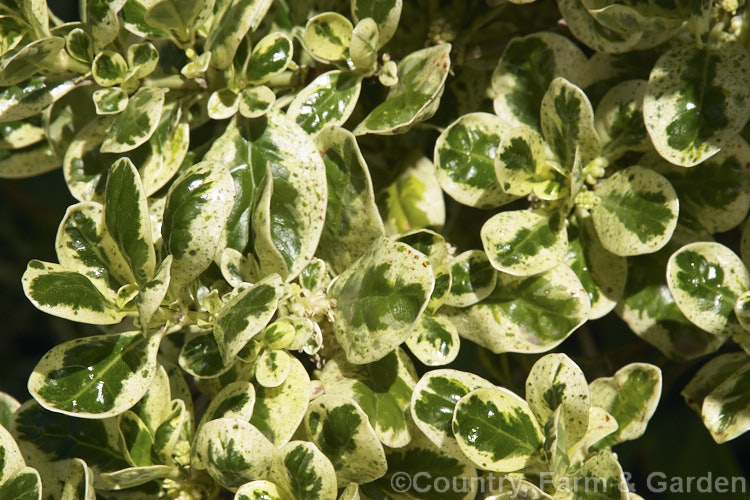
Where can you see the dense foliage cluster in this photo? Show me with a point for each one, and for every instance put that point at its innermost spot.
(292, 213)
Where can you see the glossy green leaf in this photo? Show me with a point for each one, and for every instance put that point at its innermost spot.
(630, 396)
(171, 15)
(385, 13)
(79, 485)
(706, 279)
(696, 101)
(496, 429)
(380, 298)
(96, 377)
(473, 278)
(137, 123)
(109, 68)
(555, 381)
(352, 219)
(301, 469)
(110, 101)
(525, 242)
(340, 429)
(525, 70)
(127, 220)
(382, 390)
(232, 451)
(433, 402)
(637, 213)
(69, 295)
(421, 77)
(327, 36)
(197, 209)
(434, 341)
(525, 314)
(465, 160)
(20, 101)
(327, 100)
(256, 101)
(231, 23)
(271, 55)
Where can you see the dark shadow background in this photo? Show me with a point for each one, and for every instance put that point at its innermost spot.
(676, 442)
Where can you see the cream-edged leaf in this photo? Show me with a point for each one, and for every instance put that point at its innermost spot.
(327, 100)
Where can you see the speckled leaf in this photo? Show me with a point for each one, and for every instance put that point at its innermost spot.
(696, 101)
(421, 77)
(17, 481)
(84, 165)
(496, 429)
(200, 355)
(525, 70)
(414, 200)
(231, 23)
(223, 104)
(17, 66)
(379, 300)
(711, 375)
(327, 100)
(726, 409)
(261, 490)
(385, 13)
(232, 451)
(382, 389)
(587, 29)
(142, 60)
(567, 122)
(79, 485)
(352, 218)
(706, 279)
(246, 314)
(465, 160)
(101, 18)
(601, 273)
(630, 396)
(198, 206)
(69, 295)
(110, 101)
(327, 36)
(80, 45)
(272, 367)
(168, 147)
(256, 101)
(428, 242)
(619, 120)
(637, 213)
(301, 469)
(109, 68)
(153, 292)
(340, 429)
(525, 314)
(472, 278)
(235, 400)
(433, 402)
(173, 15)
(434, 341)
(525, 242)
(600, 477)
(600, 425)
(137, 123)
(29, 162)
(96, 377)
(270, 56)
(18, 102)
(279, 410)
(127, 219)
(556, 381)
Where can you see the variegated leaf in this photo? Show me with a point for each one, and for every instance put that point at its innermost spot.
(637, 212)
(414, 200)
(109, 68)
(271, 55)
(352, 218)
(17, 66)
(18, 135)
(601, 273)
(168, 148)
(711, 375)
(726, 409)
(200, 355)
(20, 101)
(525, 70)
(382, 389)
(171, 15)
(434, 341)
(142, 60)
(17, 481)
(197, 209)
(256, 101)
(127, 219)
(29, 162)
(363, 48)
(223, 104)
(84, 165)
(96, 377)
(8, 406)
(380, 298)
(110, 101)
(600, 425)
(472, 278)
(136, 438)
(385, 13)
(525, 314)
(630, 396)
(421, 77)
(301, 469)
(496, 429)
(79, 485)
(428, 242)
(465, 156)
(261, 489)
(137, 123)
(272, 367)
(525, 242)
(340, 429)
(246, 314)
(433, 402)
(619, 120)
(235, 400)
(327, 36)
(69, 295)
(555, 381)
(587, 29)
(153, 292)
(101, 18)
(231, 22)
(327, 100)
(134, 476)
(12, 31)
(600, 477)
(232, 451)
(706, 279)
(279, 410)
(697, 100)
